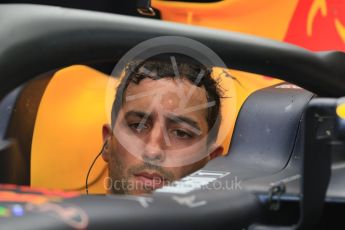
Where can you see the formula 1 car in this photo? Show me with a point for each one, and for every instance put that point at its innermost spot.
(286, 150)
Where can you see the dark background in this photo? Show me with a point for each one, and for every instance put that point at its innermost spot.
(126, 7)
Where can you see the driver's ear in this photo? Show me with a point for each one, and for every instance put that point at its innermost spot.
(106, 135)
(216, 152)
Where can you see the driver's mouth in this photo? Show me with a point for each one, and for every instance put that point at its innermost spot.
(152, 180)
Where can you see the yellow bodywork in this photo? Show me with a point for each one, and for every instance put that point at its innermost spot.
(265, 18)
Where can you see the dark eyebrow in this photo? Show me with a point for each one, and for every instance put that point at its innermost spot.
(136, 113)
(183, 119)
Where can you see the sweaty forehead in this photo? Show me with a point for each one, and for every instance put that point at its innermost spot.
(178, 95)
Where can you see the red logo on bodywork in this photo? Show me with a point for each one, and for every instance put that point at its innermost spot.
(318, 25)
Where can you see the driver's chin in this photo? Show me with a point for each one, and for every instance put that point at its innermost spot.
(138, 192)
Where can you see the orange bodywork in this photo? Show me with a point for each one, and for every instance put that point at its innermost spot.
(266, 18)
(313, 24)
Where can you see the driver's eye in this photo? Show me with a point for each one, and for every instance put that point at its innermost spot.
(181, 134)
(138, 127)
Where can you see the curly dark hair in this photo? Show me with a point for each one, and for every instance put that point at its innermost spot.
(167, 66)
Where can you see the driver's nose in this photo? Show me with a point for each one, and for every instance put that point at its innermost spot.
(153, 150)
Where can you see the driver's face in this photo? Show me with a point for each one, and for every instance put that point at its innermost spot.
(160, 135)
